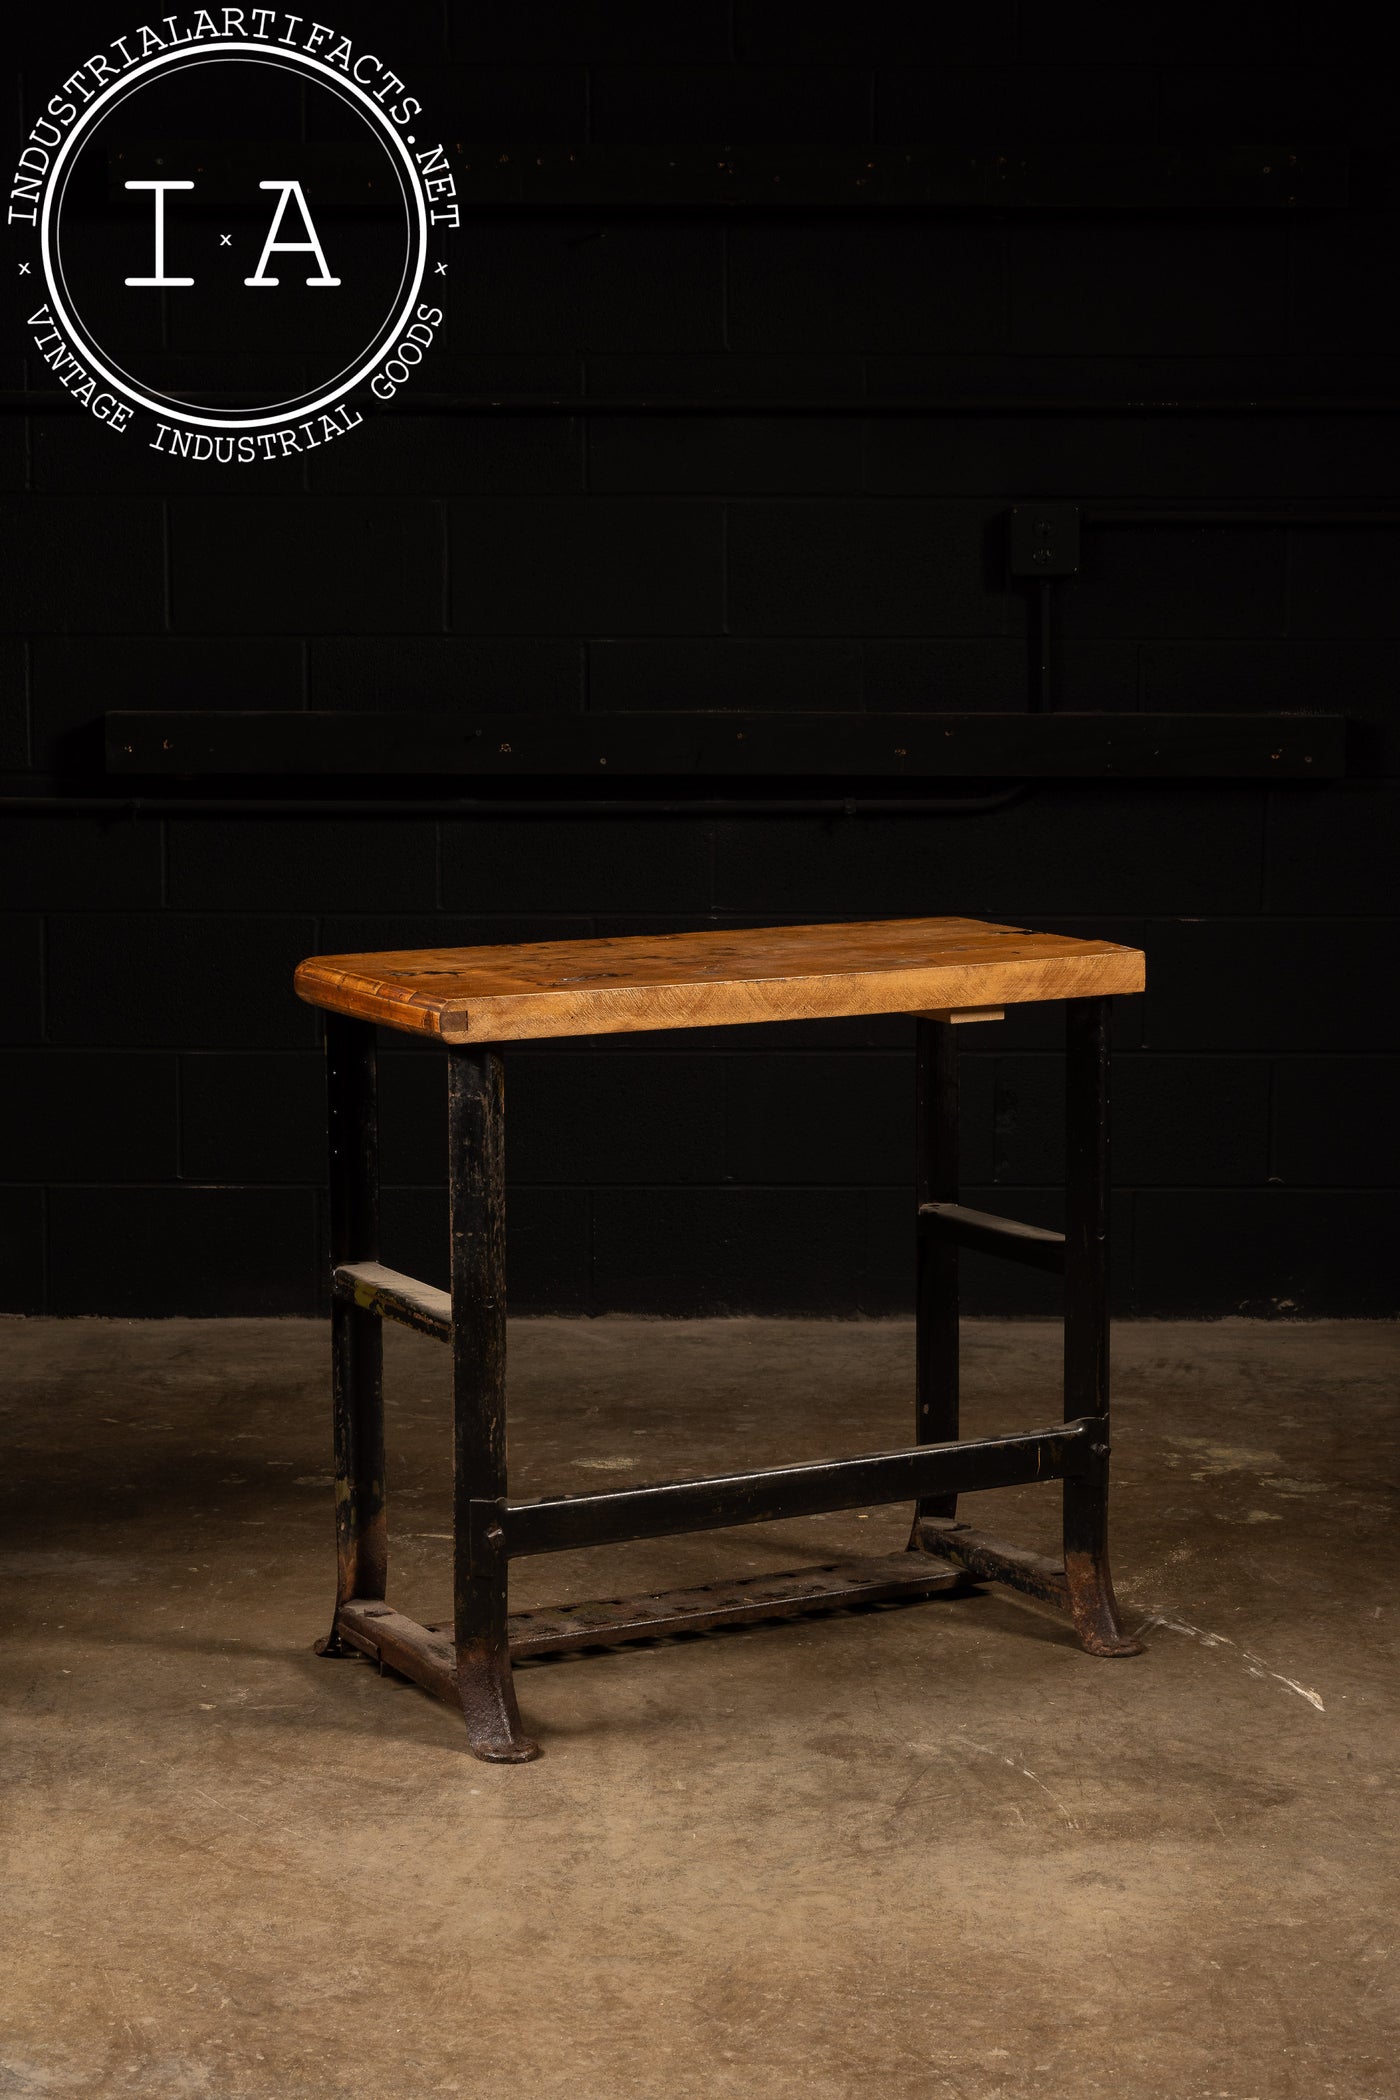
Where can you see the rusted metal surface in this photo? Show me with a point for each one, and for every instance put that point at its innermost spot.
(563, 1522)
(393, 1296)
(362, 1538)
(992, 1560)
(428, 1654)
(476, 1181)
(386, 1636)
(746, 1600)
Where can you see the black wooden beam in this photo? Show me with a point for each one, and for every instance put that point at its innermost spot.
(669, 744)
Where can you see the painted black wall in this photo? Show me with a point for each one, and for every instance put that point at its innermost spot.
(163, 1134)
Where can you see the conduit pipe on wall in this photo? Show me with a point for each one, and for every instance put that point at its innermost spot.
(131, 807)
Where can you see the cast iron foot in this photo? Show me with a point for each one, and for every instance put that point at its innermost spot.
(1094, 1608)
(486, 1693)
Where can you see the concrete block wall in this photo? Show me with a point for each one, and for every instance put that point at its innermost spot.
(163, 1142)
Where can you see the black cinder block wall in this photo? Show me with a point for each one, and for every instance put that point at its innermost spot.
(163, 1129)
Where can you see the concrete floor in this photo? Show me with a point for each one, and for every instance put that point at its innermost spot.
(929, 1851)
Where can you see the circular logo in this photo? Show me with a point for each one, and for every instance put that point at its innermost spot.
(236, 230)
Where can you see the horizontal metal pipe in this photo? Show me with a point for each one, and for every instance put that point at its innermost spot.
(42, 402)
(133, 806)
(674, 751)
(1312, 519)
(568, 1521)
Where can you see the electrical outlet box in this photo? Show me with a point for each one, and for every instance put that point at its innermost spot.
(1045, 539)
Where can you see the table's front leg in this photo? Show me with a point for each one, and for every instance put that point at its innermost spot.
(361, 1517)
(1091, 1598)
(936, 1284)
(476, 1183)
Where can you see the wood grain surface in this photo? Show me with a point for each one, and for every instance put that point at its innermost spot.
(714, 978)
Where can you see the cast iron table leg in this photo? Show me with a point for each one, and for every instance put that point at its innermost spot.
(936, 1288)
(1091, 1595)
(357, 1341)
(476, 1181)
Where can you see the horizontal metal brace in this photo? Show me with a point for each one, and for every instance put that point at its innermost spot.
(506, 177)
(567, 801)
(427, 1654)
(394, 1297)
(736, 1601)
(676, 743)
(992, 1560)
(396, 1642)
(984, 1233)
(53, 401)
(558, 1525)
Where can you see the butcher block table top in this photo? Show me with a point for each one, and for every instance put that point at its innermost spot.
(714, 978)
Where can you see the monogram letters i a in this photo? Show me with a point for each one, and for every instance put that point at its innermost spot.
(272, 246)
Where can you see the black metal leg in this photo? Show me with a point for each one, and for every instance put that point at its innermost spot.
(361, 1517)
(476, 1180)
(936, 1288)
(1091, 1597)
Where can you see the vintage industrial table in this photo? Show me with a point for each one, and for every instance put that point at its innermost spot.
(477, 1000)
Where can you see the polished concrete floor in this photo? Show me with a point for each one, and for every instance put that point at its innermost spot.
(926, 1851)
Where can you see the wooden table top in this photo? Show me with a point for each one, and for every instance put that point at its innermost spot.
(714, 978)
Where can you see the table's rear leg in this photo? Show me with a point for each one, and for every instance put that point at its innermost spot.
(936, 1284)
(357, 1351)
(1091, 1597)
(476, 1181)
